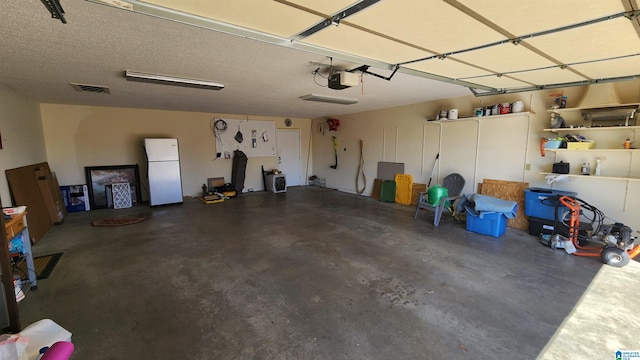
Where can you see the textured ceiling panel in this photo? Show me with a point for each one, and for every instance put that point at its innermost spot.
(549, 76)
(353, 41)
(431, 24)
(612, 38)
(389, 32)
(327, 7)
(505, 58)
(612, 68)
(266, 16)
(497, 82)
(526, 17)
(447, 67)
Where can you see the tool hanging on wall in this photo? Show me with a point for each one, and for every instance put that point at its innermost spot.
(433, 171)
(238, 136)
(335, 151)
(361, 171)
(333, 124)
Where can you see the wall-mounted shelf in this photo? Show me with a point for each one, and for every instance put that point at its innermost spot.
(594, 176)
(597, 128)
(592, 150)
(597, 107)
(481, 117)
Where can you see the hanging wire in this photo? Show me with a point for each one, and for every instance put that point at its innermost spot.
(316, 73)
(217, 127)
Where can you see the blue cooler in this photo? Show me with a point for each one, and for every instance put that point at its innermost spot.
(541, 203)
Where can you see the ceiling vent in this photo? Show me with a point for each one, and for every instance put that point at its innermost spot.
(328, 99)
(91, 88)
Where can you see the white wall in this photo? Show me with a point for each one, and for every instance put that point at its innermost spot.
(79, 136)
(403, 134)
(21, 134)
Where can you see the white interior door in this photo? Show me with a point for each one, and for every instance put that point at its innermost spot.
(289, 162)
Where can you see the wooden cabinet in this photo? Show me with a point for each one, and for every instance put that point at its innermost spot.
(488, 147)
(15, 228)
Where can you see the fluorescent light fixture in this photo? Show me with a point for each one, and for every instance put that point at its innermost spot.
(328, 99)
(171, 80)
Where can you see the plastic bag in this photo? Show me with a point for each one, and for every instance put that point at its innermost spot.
(13, 347)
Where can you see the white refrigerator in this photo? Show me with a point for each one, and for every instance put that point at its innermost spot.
(163, 171)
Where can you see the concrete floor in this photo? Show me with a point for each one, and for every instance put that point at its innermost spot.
(314, 274)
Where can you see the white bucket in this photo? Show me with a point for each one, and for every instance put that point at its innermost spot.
(517, 106)
(453, 114)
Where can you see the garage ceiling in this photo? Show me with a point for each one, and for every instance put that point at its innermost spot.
(495, 44)
(266, 52)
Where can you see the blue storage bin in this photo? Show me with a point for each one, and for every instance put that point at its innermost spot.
(492, 224)
(541, 203)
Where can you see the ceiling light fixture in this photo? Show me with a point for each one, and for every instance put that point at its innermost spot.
(172, 80)
(328, 99)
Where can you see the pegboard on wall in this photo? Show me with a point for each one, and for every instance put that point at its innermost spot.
(253, 137)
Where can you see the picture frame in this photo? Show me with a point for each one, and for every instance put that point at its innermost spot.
(99, 179)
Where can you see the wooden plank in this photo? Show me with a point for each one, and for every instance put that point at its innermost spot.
(375, 193)
(415, 190)
(508, 190)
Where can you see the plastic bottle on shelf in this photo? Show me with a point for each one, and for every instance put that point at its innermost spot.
(598, 168)
(627, 144)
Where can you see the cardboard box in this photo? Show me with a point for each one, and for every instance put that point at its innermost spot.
(214, 183)
(75, 197)
(25, 191)
(51, 197)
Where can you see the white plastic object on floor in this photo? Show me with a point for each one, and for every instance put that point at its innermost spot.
(41, 334)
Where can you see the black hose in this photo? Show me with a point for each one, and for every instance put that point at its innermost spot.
(593, 216)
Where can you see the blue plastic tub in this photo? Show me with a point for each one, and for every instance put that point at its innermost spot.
(492, 224)
(541, 203)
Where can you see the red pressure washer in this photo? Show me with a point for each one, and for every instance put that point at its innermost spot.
(617, 244)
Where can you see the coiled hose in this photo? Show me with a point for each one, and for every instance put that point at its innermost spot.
(591, 219)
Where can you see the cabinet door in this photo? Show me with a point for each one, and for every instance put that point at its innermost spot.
(502, 148)
(458, 151)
